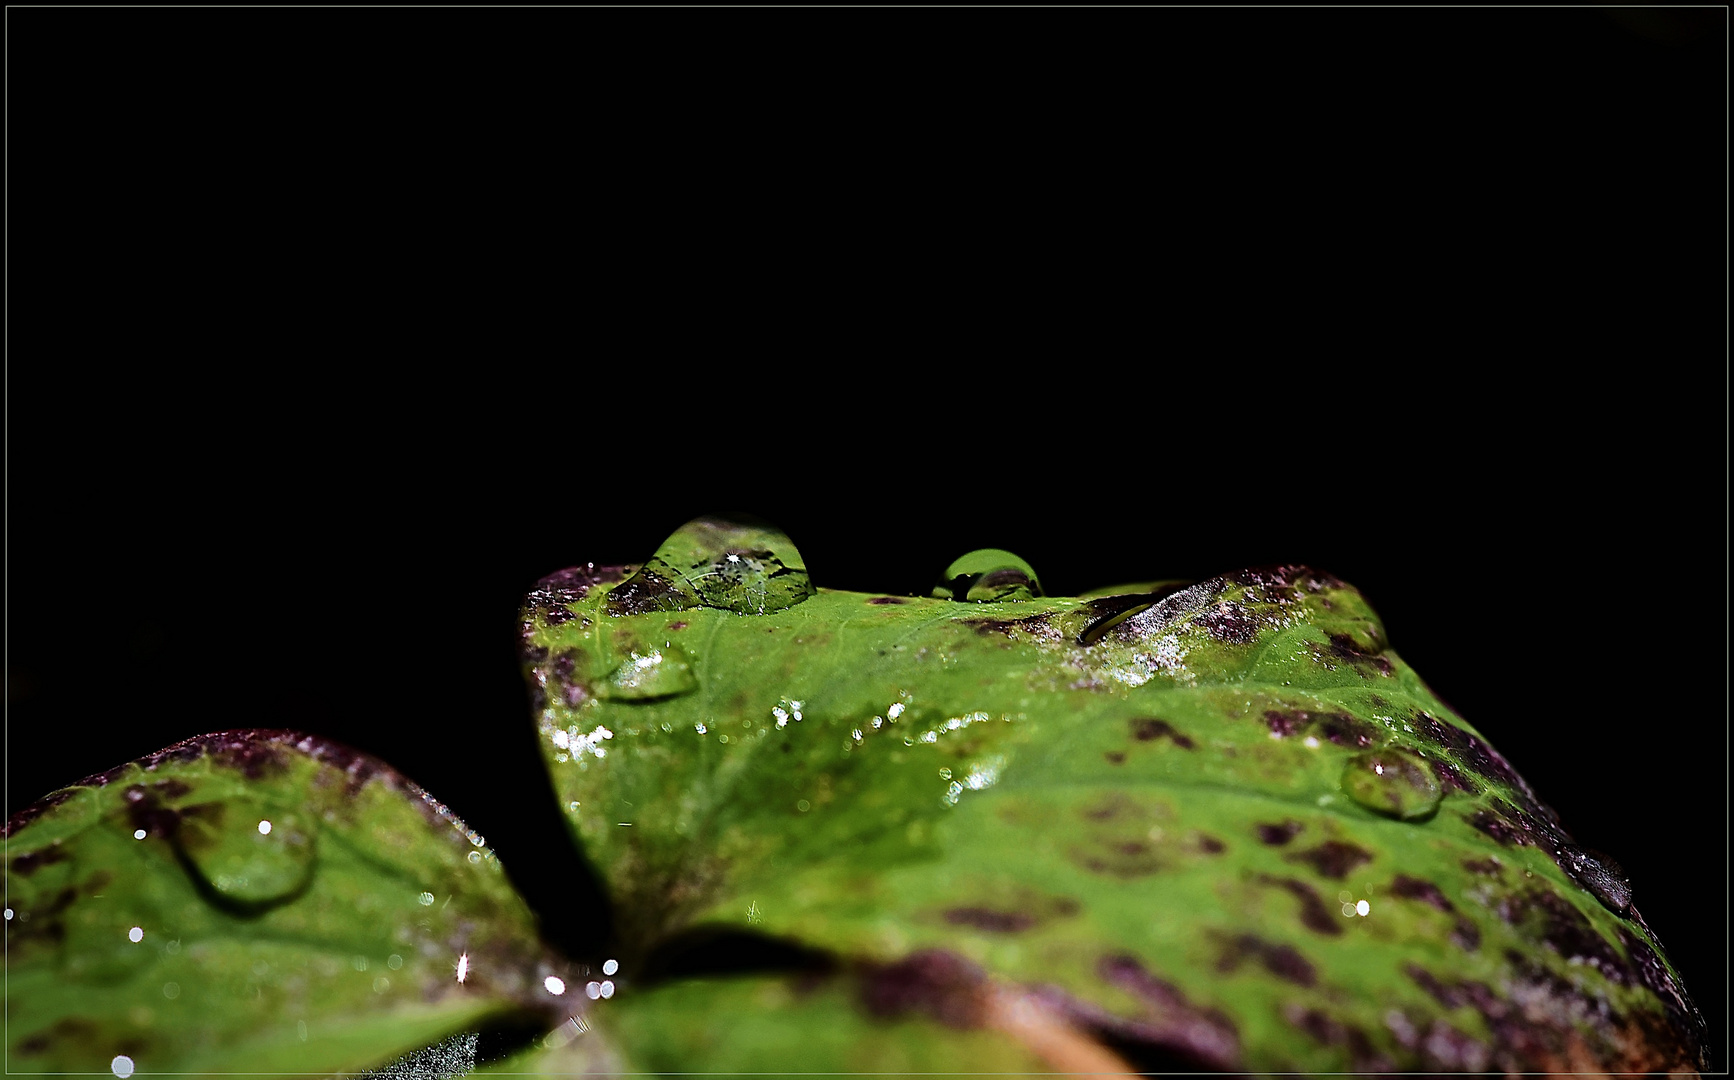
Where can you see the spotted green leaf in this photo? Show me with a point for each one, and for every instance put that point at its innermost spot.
(263, 902)
(1213, 826)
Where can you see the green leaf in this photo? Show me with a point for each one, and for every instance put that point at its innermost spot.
(260, 901)
(1218, 826)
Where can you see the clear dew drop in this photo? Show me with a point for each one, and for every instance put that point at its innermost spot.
(1392, 782)
(1601, 875)
(249, 854)
(121, 1066)
(732, 562)
(988, 575)
(652, 675)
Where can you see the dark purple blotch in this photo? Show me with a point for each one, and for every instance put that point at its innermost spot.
(1333, 858)
(1146, 729)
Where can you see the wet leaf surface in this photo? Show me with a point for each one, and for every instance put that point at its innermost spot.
(261, 901)
(1215, 826)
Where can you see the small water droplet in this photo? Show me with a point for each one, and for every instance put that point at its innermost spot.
(573, 806)
(121, 1066)
(136, 934)
(171, 990)
(9, 914)
(381, 984)
(609, 967)
(248, 858)
(1348, 911)
(650, 675)
(607, 988)
(1601, 875)
(475, 857)
(1363, 908)
(592, 990)
(426, 899)
(555, 985)
(139, 834)
(732, 562)
(803, 806)
(945, 774)
(394, 961)
(988, 575)
(1392, 782)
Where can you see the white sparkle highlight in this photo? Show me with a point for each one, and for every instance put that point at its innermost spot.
(121, 1066)
(1362, 907)
(607, 988)
(264, 828)
(894, 710)
(139, 834)
(135, 934)
(609, 967)
(555, 985)
(463, 967)
(592, 990)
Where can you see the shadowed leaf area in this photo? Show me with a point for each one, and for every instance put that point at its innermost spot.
(1170, 826)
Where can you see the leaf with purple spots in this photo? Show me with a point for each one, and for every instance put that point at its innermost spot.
(1216, 826)
(259, 901)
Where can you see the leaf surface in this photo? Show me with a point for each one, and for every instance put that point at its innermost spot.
(258, 901)
(1218, 826)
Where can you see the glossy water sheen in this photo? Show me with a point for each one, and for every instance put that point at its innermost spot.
(1392, 782)
(988, 575)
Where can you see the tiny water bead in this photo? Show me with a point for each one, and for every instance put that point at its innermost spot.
(121, 1066)
(135, 935)
(1602, 876)
(249, 857)
(988, 575)
(1392, 782)
(139, 834)
(554, 985)
(650, 676)
(609, 967)
(732, 562)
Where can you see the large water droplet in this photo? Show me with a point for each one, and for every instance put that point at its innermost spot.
(734, 562)
(987, 575)
(1392, 782)
(244, 861)
(653, 674)
(1601, 875)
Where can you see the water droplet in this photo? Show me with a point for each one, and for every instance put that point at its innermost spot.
(394, 961)
(139, 834)
(945, 774)
(426, 899)
(381, 985)
(9, 914)
(121, 1066)
(248, 859)
(136, 934)
(1363, 908)
(475, 857)
(607, 988)
(650, 676)
(1348, 911)
(592, 990)
(803, 806)
(171, 990)
(733, 562)
(555, 985)
(1392, 782)
(1601, 875)
(609, 967)
(359, 963)
(988, 575)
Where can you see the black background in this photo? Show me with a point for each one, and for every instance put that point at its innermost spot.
(330, 332)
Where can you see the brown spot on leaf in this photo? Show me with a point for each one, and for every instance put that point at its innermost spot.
(887, 600)
(31, 862)
(1410, 888)
(1283, 961)
(1278, 835)
(1333, 858)
(1314, 914)
(1329, 1031)
(997, 922)
(1115, 757)
(1146, 729)
(1488, 867)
